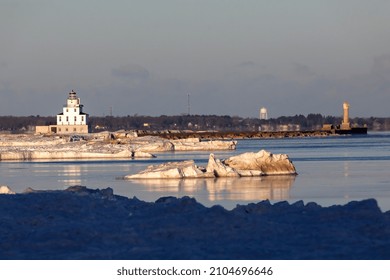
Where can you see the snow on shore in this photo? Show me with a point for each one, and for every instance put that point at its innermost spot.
(81, 223)
(98, 146)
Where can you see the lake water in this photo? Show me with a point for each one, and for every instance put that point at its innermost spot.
(332, 170)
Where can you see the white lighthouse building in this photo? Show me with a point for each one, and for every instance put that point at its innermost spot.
(72, 120)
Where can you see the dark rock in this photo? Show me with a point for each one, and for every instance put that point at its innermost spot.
(78, 224)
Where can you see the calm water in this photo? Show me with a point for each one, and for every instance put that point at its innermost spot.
(332, 170)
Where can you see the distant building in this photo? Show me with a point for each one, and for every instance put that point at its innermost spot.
(72, 120)
(263, 113)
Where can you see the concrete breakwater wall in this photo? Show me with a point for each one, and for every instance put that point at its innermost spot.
(234, 135)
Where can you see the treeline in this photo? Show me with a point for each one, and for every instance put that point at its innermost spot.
(16, 124)
(195, 122)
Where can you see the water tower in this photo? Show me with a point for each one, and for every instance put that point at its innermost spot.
(263, 114)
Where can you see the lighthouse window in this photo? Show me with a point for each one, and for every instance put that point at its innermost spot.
(82, 118)
(75, 109)
(75, 118)
(67, 119)
(59, 118)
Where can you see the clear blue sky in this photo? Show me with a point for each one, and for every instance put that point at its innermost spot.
(233, 57)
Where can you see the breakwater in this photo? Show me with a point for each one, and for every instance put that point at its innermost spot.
(168, 134)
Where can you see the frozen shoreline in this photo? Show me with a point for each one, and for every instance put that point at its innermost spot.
(98, 146)
(81, 223)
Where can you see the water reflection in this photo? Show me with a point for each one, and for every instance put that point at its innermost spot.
(72, 173)
(346, 169)
(244, 188)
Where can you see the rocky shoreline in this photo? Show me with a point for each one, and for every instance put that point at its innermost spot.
(99, 146)
(81, 223)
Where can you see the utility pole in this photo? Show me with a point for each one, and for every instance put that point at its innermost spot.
(188, 105)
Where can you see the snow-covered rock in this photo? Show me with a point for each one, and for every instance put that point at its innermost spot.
(139, 154)
(125, 134)
(244, 165)
(160, 146)
(184, 169)
(72, 150)
(53, 154)
(262, 161)
(185, 140)
(204, 145)
(6, 190)
(216, 167)
(157, 144)
(23, 140)
(106, 145)
(64, 154)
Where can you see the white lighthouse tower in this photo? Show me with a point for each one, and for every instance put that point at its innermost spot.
(72, 119)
